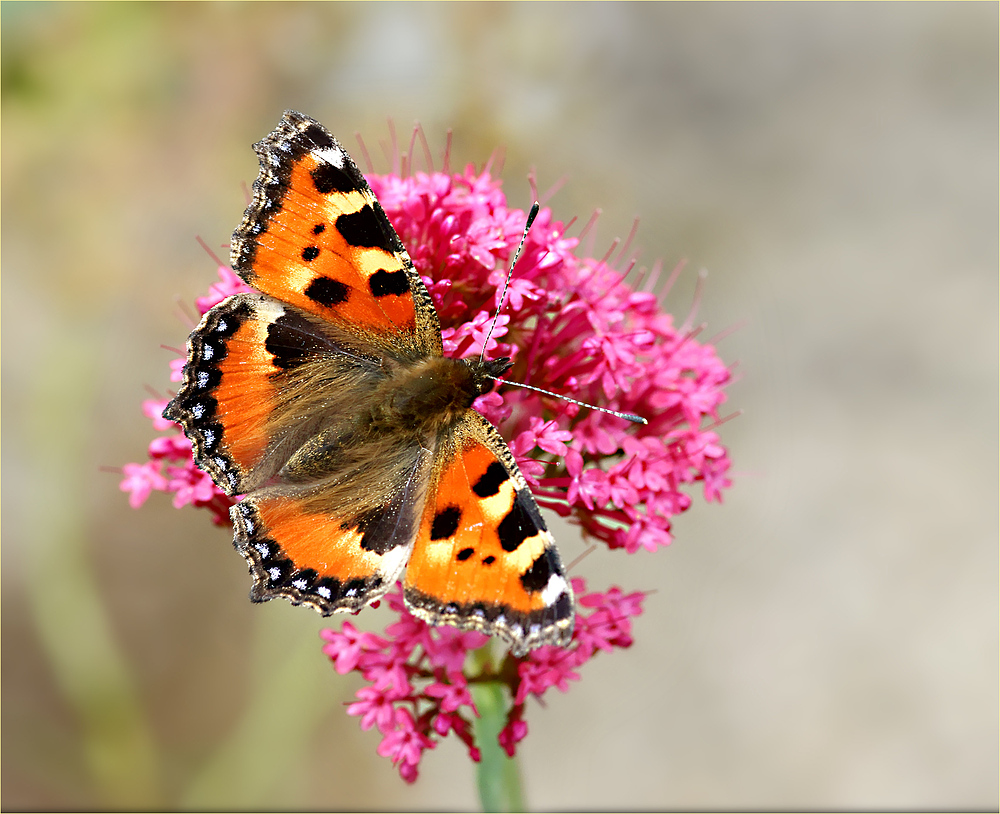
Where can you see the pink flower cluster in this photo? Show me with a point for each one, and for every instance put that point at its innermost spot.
(573, 325)
(419, 676)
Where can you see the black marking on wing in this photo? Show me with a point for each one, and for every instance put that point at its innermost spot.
(290, 342)
(327, 291)
(491, 480)
(517, 526)
(363, 229)
(537, 577)
(328, 178)
(383, 283)
(445, 523)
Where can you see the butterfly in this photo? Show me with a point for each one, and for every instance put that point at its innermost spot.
(324, 398)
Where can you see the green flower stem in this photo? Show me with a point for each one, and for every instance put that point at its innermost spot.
(497, 776)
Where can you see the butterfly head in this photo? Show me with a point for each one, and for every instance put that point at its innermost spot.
(479, 377)
(487, 372)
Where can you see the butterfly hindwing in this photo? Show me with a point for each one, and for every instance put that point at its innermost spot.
(483, 558)
(334, 555)
(315, 236)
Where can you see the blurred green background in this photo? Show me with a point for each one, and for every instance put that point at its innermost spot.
(826, 639)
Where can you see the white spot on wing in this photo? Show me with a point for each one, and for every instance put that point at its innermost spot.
(331, 155)
(555, 588)
(393, 562)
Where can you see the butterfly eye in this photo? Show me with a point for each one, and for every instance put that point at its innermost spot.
(486, 374)
(497, 367)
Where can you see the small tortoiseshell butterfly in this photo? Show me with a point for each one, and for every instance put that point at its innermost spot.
(325, 398)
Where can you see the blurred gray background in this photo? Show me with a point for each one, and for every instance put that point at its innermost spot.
(827, 638)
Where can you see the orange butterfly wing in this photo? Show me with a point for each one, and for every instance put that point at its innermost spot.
(331, 559)
(483, 558)
(249, 387)
(315, 237)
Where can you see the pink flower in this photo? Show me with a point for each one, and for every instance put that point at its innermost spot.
(172, 447)
(608, 626)
(449, 649)
(228, 285)
(347, 647)
(544, 668)
(574, 325)
(140, 480)
(177, 369)
(375, 709)
(404, 744)
(545, 435)
(153, 410)
(451, 696)
(513, 733)
(425, 673)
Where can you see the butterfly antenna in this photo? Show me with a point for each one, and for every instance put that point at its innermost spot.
(637, 419)
(627, 416)
(524, 236)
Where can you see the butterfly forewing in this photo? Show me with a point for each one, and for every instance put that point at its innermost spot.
(315, 236)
